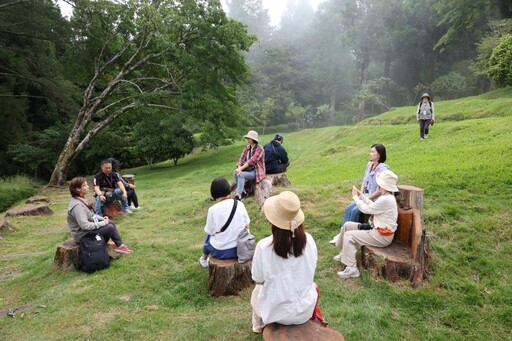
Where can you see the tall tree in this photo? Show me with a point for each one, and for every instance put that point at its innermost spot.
(181, 56)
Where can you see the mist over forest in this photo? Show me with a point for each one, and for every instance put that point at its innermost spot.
(150, 80)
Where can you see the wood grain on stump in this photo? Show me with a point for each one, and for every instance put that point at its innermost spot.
(228, 277)
(309, 331)
(29, 210)
(67, 255)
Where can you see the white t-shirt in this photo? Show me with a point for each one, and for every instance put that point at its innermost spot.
(218, 215)
(287, 295)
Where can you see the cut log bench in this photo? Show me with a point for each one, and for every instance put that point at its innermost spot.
(309, 331)
(29, 210)
(67, 255)
(264, 189)
(112, 209)
(228, 277)
(407, 255)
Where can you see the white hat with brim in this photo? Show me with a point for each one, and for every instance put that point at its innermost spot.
(283, 211)
(253, 135)
(387, 180)
(425, 95)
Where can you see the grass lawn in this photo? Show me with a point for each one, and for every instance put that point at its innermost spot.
(160, 292)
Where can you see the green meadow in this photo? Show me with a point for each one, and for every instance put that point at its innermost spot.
(160, 292)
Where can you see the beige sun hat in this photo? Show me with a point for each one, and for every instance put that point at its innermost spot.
(253, 135)
(283, 211)
(387, 180)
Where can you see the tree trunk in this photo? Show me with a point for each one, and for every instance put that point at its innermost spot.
(59, 175)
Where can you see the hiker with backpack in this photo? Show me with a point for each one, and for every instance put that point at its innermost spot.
(276, 157)
(425, 115)
(82, 220)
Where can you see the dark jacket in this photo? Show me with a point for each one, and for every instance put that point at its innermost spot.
(275, 154)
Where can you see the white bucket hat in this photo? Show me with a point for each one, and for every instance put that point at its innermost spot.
(252, 134)
(387, 180)
(283, 211)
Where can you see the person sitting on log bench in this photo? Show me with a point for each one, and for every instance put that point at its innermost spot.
(283, 268)
(276, 157)
(378, 232)
(250, 166)
(369, 185)
(224, 222)
(82, 220)
(105, 183)
(130, 188)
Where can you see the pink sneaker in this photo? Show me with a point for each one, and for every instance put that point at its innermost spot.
(123, 249)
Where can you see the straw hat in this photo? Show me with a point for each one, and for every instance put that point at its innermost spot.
(283, 211)
(253, 135)
(387, 180)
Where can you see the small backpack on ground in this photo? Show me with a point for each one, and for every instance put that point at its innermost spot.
(93, 253)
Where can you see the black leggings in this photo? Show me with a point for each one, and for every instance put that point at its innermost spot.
(110, 231)
(132, 197)
(424, 127)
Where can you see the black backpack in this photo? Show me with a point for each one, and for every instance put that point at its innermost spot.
(93, 253)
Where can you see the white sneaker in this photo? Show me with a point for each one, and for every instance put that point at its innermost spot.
(127, 211)
(334, 239)
(204, 262)
(135, 208)
(349, 272)
(337, 258)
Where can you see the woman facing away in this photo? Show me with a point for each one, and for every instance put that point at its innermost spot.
(383, 223)
(250, 166)
(82, 219)
(222, 244)
(368, 185)
(283, 268)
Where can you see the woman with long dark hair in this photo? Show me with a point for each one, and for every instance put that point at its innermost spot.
(283, 268)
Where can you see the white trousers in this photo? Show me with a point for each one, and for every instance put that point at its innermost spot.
(351, 239)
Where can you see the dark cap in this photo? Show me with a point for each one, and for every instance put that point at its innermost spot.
(279, 137)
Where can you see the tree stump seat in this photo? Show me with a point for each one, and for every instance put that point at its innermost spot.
(112, 209)
(228, 277)
(264, 188)
(37, 199)
(67, 255)
(306, 332)
(29, 210)
(407, 255)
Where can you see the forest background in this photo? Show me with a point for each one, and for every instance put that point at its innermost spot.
(146, 81)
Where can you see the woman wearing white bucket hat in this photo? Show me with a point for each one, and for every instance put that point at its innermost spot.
(381, 227)
(283, 268)
(250, 166)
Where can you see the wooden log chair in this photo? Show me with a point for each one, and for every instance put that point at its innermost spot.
(306, 332)
(113, 209)
(67, 255)
(264, 189)
(228, 277)
(407, 256)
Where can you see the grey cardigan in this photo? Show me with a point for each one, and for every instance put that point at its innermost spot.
(81, 219)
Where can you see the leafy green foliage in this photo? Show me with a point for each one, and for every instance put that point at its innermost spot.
(13, 189)
(500, 63)
(452, 85)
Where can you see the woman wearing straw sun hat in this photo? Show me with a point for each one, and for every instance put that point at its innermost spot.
(250, 166)
(381, 228)
(283, 268)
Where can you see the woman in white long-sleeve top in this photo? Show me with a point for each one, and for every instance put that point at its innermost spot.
(283, 268)
(382, 224)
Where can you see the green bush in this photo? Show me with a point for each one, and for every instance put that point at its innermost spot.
(15, 188)
(500, 63)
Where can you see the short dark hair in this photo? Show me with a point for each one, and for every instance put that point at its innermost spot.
(381, 150)
(284, 244)
(279, 137)
(106, 161)
(75, 184)
(219, 188)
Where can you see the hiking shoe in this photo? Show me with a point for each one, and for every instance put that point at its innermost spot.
(127, 211)
(123, 249)
(135, 208)
(337, 258)
(257, 331)
(334, 239)
(244, 195)
(349, 272)
(204, 262)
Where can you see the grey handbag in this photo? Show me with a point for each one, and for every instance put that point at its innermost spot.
(245, 246)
